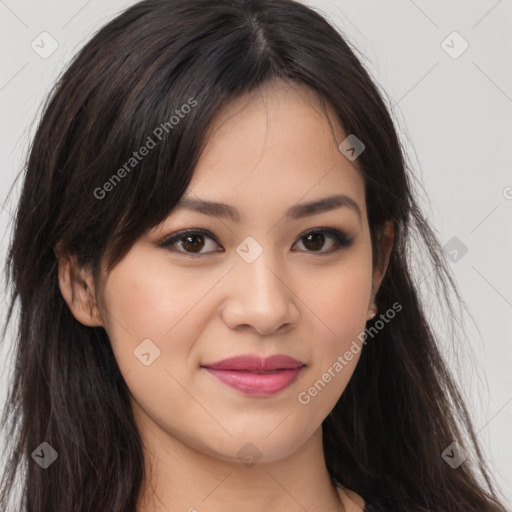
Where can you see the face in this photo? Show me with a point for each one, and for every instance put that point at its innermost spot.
(272, 278)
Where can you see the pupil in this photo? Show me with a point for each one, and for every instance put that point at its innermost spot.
(318, 237)
(314, 242)
(187, 240)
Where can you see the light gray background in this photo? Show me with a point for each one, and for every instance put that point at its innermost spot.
(454, 114)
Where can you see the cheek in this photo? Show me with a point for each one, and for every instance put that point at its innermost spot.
(148, 298)
(340, 299)
(144, 300)
(147, 301)
(340, 303)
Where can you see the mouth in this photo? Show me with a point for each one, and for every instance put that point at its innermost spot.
(257, 383)
(255, 376)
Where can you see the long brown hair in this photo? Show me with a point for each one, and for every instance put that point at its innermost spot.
(400, 410)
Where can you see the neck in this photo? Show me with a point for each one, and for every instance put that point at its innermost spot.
(182, 477)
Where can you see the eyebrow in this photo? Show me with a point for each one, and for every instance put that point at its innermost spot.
(297, 211)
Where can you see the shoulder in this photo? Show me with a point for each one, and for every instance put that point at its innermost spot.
(351, 500)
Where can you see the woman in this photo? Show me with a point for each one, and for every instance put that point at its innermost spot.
(216, 305)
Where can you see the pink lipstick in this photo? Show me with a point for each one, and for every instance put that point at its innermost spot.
(256, 376)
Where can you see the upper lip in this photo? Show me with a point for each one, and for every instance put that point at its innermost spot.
(251, 362)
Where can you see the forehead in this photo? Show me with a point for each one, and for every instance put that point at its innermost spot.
(272, 146)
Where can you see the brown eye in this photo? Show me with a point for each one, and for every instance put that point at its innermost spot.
(314, 241)
(192, 243)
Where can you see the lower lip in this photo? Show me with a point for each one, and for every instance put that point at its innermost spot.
(257, 384)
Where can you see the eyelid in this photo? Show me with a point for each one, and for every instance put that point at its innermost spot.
(341, 240)
(169, 240)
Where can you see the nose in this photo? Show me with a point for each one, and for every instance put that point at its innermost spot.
(260, 297)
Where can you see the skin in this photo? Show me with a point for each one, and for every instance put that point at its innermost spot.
(268, 151)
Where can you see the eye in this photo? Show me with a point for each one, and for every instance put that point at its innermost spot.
(191, 242)
(315, 240)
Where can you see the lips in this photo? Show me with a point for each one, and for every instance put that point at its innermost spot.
(255, 376)
(256, 364)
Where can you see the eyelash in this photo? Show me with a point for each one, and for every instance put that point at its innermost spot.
(341, 240)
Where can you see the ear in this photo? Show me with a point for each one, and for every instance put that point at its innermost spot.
(77, 287)
(385, 244)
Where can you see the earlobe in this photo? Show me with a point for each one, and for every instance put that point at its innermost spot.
(386, 241)
(77, 288)
(372, 311)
